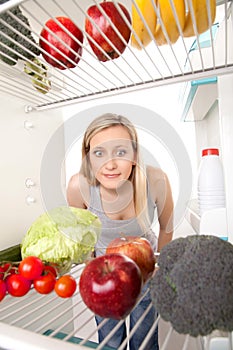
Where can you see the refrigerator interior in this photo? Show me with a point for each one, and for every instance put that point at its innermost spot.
(40, 130)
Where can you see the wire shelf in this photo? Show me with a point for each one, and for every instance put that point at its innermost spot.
(196, 57)
(45, 321)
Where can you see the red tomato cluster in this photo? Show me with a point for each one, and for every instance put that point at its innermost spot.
(17, 279)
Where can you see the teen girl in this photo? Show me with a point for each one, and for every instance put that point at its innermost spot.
(126, 196)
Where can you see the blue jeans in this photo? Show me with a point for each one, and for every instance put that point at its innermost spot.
(141, 332)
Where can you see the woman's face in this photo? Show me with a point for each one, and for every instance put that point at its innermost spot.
(112, 156)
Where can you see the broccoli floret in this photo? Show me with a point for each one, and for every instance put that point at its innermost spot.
(12, 57)
(193, 288)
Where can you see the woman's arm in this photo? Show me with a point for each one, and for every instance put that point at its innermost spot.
(78, 191)
(162, 194)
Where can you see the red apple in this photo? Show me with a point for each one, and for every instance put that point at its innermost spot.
(74, 49)
(105, 27)
(110, 285)
(138, 249)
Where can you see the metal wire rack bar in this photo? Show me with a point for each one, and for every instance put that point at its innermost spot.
(152, 66)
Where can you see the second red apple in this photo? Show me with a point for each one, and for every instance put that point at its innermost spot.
(100, 23)
(138, 249)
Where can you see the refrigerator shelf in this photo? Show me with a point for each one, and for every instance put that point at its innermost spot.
(48, 322)
(152, 66)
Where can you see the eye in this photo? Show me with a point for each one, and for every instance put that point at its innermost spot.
(121, 153)
(98, 153)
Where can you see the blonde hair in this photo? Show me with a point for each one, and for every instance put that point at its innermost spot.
(138, 175)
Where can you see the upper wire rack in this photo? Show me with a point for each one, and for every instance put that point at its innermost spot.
(200, 56)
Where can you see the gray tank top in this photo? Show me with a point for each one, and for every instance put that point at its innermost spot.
(113, 228)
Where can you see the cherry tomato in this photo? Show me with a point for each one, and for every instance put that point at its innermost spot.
(5, 266)
(51, 269)
(17, 285)
(7, 269)
(2, 289)
(31, 267)
(65, 286)
(2, 273)
(45, 283)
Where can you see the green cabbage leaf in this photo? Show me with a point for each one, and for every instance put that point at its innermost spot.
(64, 235)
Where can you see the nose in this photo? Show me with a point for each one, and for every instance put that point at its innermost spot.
(111, 164)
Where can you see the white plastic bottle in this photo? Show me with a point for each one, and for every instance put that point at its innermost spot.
(211, 187)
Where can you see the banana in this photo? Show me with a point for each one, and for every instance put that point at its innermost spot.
(38, 72)
(169, 20)
(200, 9)
(148, 12)
(42, 85)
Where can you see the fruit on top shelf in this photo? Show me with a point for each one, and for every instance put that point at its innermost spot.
(168, 18)
(98, 26)
(38, 73)
(200, 12)
(62, 39)
(138, 249)
(171, 18)
(110, 285)
(146, 9)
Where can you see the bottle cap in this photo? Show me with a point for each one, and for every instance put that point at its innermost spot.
(210, 151)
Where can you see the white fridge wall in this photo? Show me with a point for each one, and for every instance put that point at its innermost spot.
(216, 130)
(22, 151)
(225, 86)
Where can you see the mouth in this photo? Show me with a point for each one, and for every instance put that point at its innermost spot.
(111, 176)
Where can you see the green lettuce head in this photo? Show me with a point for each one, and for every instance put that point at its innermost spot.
(64, 235)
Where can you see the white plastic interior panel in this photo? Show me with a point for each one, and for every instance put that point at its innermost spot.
(189, 58)
(198, 97)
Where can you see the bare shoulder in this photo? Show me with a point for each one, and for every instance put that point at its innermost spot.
(155, 174)
(76, 178)
(78, 191)
(158, 182)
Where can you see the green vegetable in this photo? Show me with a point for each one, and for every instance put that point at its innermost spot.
(11, 254)
(65, 235)
(193, 287)
(13, 39)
